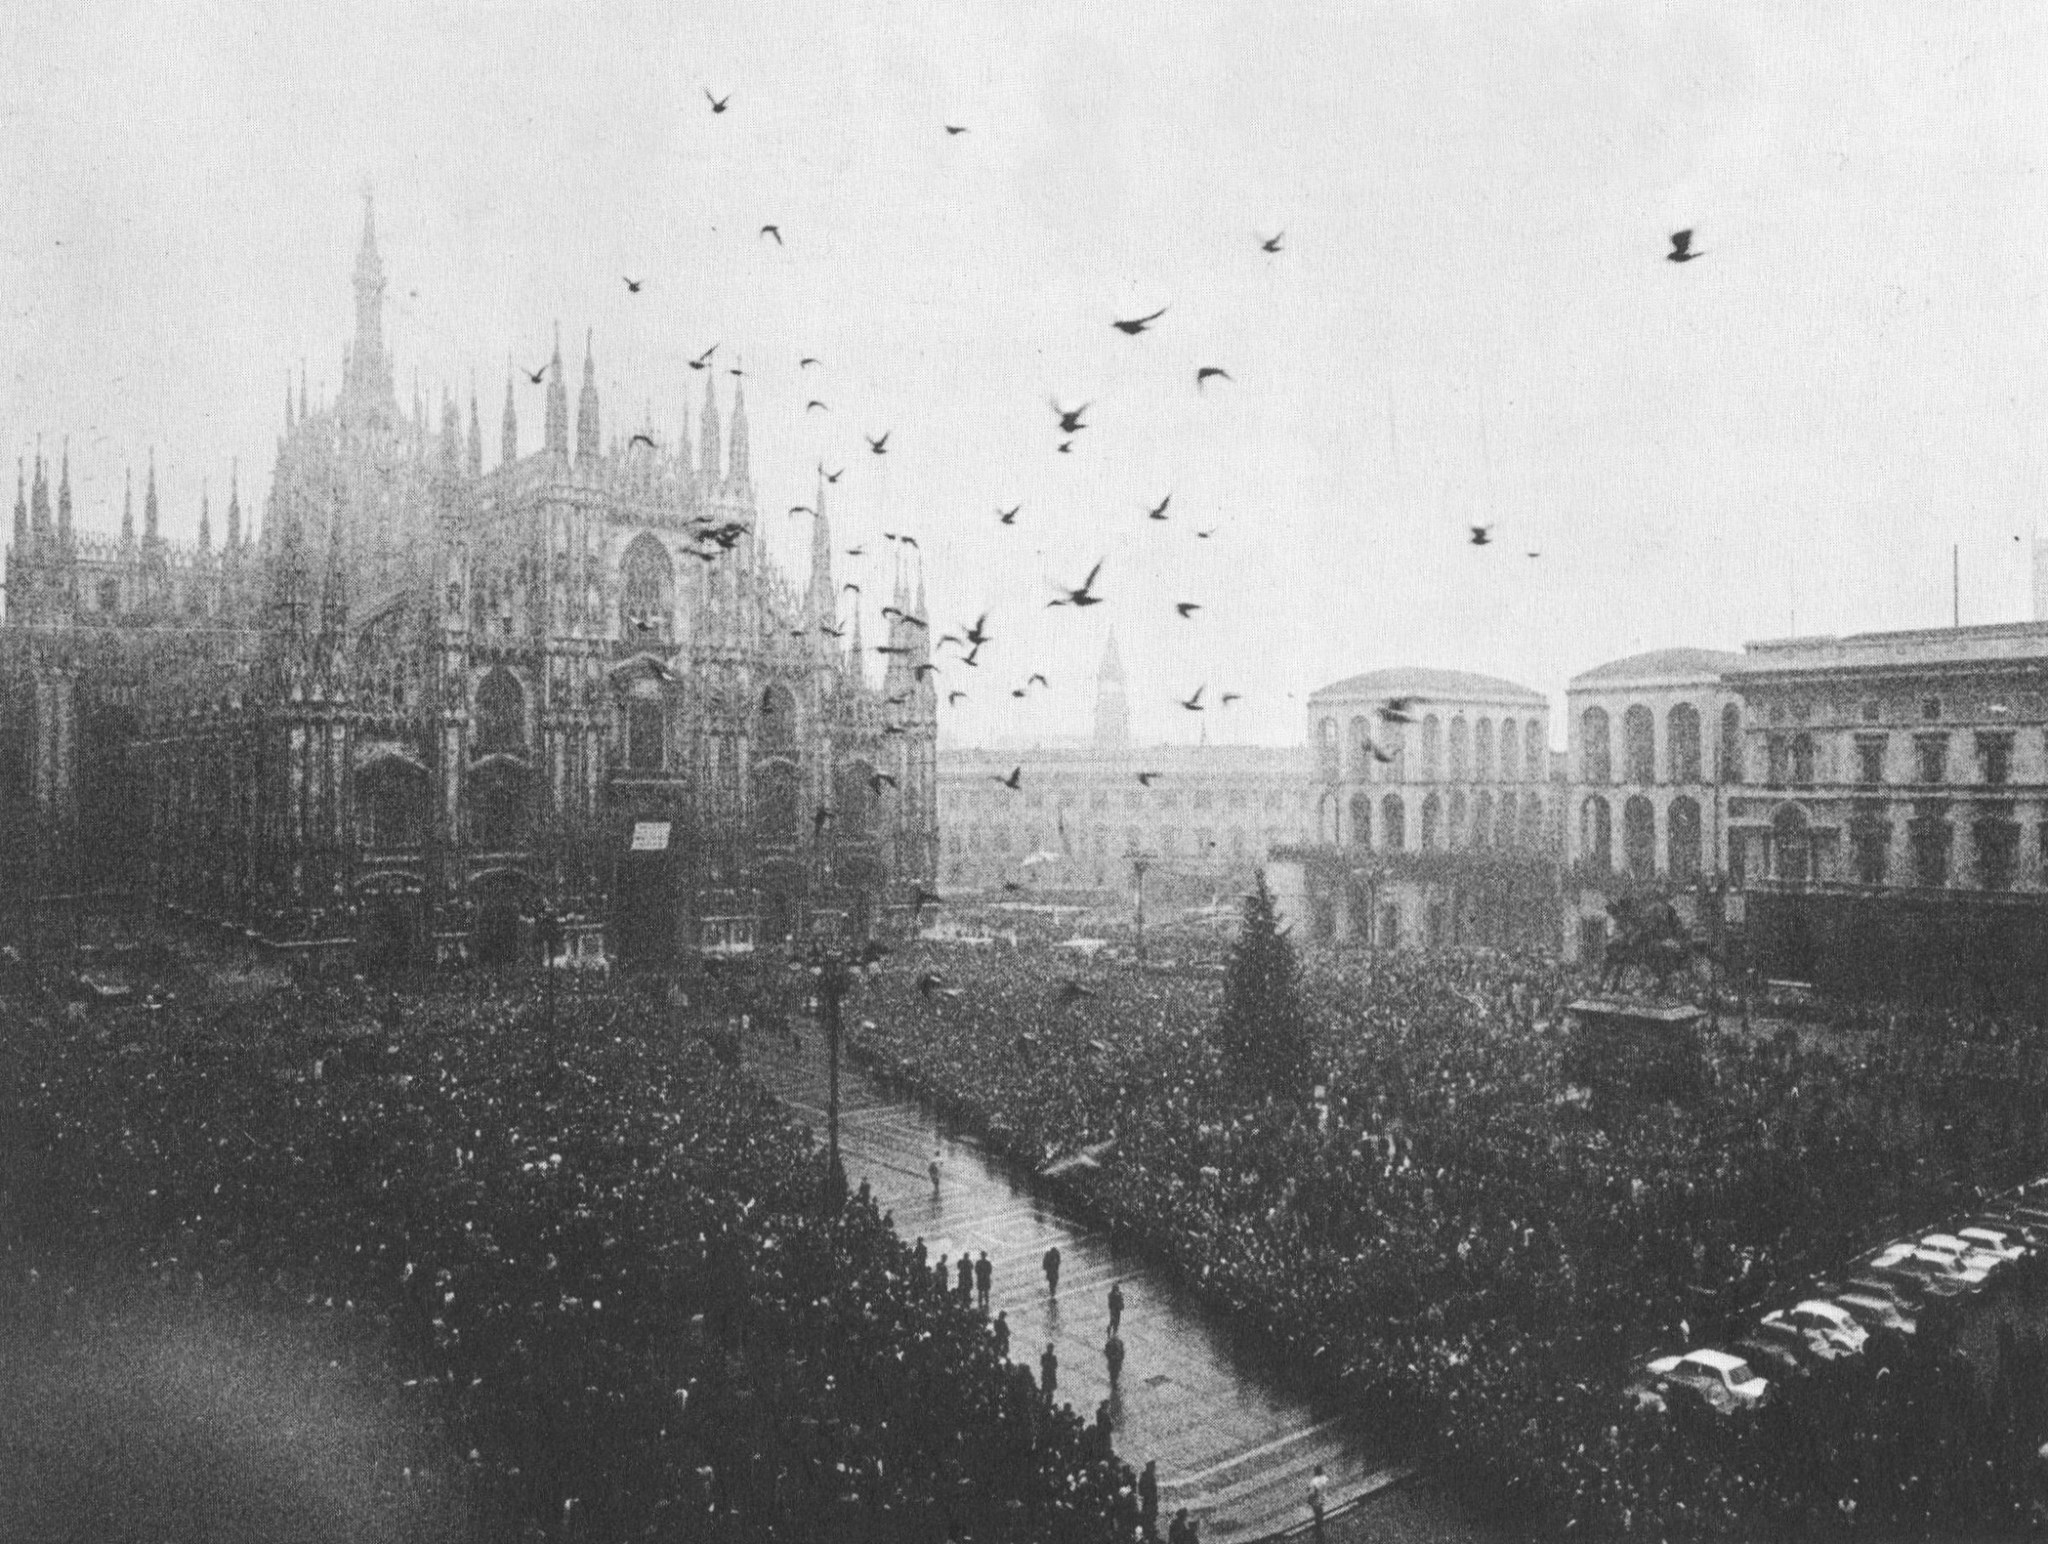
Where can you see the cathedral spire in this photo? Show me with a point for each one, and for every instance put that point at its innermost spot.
(683, 438)
(205, 520)
(739, 472)
(149, 528)
(302, 391)
(476, 433)
(64, 501)
(823, 597)
(39, 503)
(586, 403)
(710, 460)
(20, 512)
(369, 372)
(558, 401)
(234, 506)
(287, 402)
(128, 499)
(508, 434)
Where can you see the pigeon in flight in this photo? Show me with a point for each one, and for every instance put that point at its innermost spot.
(977, 634)
(773, 230)
(703, 360)
(1482, 535)
(535, 376)
(807, 361)
(908, 541)
(1014, 781)
(1070, 418)
(1066, 447)
(1083, 596)
(956, 128)
(1205, 535)
(953, 697)
(1202, 375)
(815, 403)
(879, 447)
(1229, 697)
(1397, 710)
(717, 103)
(1072, 991)
(633, 285)
(1194, 704)
(854, 552)
(830, 477)
(1138, 324)
(642, 439)
(1187, 608)
(1271, 244)
(1158, 511)
(1009, 516)
(1146, 778)
(1681, 248)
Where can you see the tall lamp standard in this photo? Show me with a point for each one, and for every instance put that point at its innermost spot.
(833, 971)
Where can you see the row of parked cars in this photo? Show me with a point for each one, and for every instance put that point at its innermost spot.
(1887, 1290)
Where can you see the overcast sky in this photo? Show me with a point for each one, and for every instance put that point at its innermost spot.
(1470, 319)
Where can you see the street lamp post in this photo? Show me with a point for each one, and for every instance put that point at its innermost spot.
(1140, 861)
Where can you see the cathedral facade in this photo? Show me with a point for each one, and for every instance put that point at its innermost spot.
(432, 705)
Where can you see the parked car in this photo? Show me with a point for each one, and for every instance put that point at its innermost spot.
(1877, 1311)
(1829, 1329)
(2007, 1246)
(2013, 1226)
(1939, 1275)
(1964, 1252)
(1725, 1382)
(1778, 1359)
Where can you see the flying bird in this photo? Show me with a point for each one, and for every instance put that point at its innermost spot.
(1138, 324)
(535, 376)
(1194, 704)
(1535, 554)
(633, 285)
(1147, 778)
(807, 361)
(703, 360)
(1158, 511)
(1187, 608)
(642, 439)
(1229, 697)
(926, 669)
(801, 509)
(1681, 248)
(1009, 516)
(976, 634)
(1202, 375)
(854, 552)
(1397, 710)
(1271, 244)
(830, 477)
(1039, 680)
(1205, 535)
(1083, 596)
(880, 780)
(879, 447)
(1070, 418)
(815, 403)
(1066, 447)
(956, 128)
(1014, 781)
(773, 230)
(908, 541)
(1481, 535)
(850, 585)
(717, 103)
(953, 697)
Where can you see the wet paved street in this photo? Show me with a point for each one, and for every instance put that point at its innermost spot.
(1233, 1447)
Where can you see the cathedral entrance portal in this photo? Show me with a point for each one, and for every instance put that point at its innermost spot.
(389, 934)
(644, 910)
(499, 905)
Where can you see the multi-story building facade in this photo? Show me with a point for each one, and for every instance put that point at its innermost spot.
(432, 702)
(1435, 813)
(1654, 739)
(1891, 830)
(1201, 818)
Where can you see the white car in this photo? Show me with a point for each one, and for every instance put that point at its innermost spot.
(1879, 1309)
(1725, 1382)
(2007, 1247)
(1829, 1330)
(1941, 1274)
(1970, 1255)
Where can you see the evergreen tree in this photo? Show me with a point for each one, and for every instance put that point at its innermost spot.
(1264, 1026)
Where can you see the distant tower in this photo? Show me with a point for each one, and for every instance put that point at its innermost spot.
(368, 381)
(586, 404)
(508, 446)
(557, 433)
(1112, 708)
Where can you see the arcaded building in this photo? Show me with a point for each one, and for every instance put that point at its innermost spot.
(432, 704)
(1435, 813)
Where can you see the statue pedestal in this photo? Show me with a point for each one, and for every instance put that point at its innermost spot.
(1637, 1051)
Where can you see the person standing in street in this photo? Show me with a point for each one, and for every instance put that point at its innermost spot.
(984, 1274)
(1116, 1307)
(1002, 1334)
(1049, 1372)
(1178, 1531)
(1113, 1353)
(933, 1168)
(966, 1278)
(1102, 1427)
(1052, 1270)
(1318, 1483)
(1148, 1499)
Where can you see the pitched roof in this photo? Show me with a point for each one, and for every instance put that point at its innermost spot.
(1431, 683)
(1663, 664)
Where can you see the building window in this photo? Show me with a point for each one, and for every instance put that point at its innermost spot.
(1460, 750)
(1596, 764)
(391, 801)
(1775, 759)
(1393, 823)
(1532, 821)
(1682, 743)
(497, 806)
(1509, 747)
(1639, 837)
(1432, 749)
(1870, 711)
(1504, 822)
(500, 714)
(1326, 749)
(1930, 835)
(1802, 760)
(1731, 744)
(1998, 840)
(1791, 845)
(1482, 819)
(1870, 840)
(778, 797)
(1994, 753)
(1930, 755)
(1870, 759)
(1432, 822)
(1596, 835)
(110, 595)
(1361, 748)
(1639, 745)
(1482, 751)
(1682, 840)
(1457, 836)
(645, 724)
(1361, 820)
(1930, 709)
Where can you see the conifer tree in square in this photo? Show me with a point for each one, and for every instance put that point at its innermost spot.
(1264, 1025)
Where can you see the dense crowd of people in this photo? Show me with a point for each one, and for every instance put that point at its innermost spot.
(600, 1251)
(1450, 1233)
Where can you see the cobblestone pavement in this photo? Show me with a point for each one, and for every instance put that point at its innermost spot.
(1233, 1446)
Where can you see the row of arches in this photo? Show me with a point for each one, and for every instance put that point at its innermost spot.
(1683, 761)
(1452, 823)
(1683, 852)
(498, 726)
(1469, 751)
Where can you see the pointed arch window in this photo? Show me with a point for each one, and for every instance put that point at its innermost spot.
(647, 582)
(500, 715)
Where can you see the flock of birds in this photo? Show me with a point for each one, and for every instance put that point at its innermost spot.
(711, 539)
